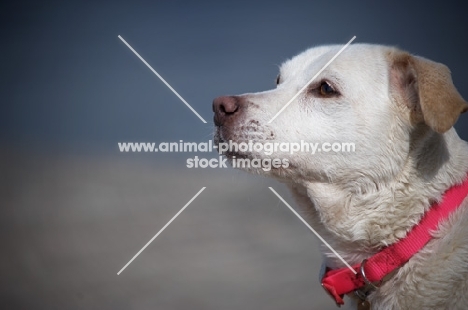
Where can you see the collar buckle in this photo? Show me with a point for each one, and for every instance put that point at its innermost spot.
(362, 273)
(363, 292)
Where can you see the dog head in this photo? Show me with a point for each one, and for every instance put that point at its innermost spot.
(370, 96)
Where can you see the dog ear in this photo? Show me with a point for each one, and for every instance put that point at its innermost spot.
(427, 89)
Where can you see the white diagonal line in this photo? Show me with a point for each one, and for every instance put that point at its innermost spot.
(159, 232)
(313, 78)
(162, 79)
(313, 230)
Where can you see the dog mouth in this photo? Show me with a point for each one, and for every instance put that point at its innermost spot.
(219, 138)
(249, 159)
(232, 138)
(233, 155)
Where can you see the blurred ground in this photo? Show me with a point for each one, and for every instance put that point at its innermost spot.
(69, 223)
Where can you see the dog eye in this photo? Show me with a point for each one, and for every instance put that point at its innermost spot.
(278, 79)
(326, 89)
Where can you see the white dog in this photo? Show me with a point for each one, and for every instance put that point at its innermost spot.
(398, 110)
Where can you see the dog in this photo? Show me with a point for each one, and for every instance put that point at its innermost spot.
(399, 110)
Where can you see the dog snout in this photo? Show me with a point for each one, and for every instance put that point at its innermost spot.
(225, 108)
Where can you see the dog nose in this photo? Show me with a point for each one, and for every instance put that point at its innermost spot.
(224, 108)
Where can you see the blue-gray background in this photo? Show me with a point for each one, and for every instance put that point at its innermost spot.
(74, 210)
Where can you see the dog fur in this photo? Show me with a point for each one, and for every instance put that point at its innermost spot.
(399, 110)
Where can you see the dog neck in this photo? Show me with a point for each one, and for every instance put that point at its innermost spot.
(360, 218)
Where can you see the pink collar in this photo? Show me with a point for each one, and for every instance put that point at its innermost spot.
(342, 281)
